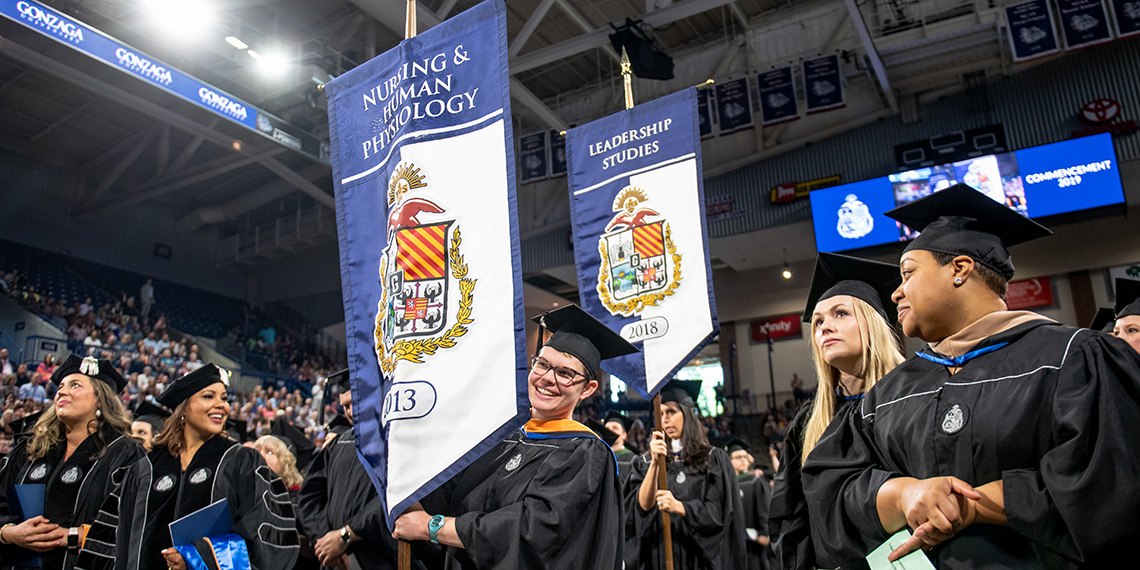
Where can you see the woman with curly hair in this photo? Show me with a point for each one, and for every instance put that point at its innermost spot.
(75, 447)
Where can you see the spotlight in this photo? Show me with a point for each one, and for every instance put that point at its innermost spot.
(237, 43)
(271, 64)
(180, 19)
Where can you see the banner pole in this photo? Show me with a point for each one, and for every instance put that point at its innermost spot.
(663, 484)
(404, 548)
(662, 476)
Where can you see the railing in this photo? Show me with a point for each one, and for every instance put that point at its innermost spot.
(37, 347)
(886, 17)
(285, 235)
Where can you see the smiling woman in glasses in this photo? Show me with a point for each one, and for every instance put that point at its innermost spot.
(548, 496)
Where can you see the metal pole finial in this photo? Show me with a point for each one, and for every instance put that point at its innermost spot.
(627, 78)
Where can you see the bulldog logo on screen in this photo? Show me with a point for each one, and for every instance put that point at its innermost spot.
(640, 264)
(418, 270)
(855, 219)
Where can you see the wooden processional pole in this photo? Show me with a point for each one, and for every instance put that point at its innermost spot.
(404, 548)
(662, 476)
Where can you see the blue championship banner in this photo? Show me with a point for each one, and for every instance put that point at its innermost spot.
(703, 115)
(823, 84)
(734, 105)
(1084, 23)
(423, 164)
(1031, 30)
(640, 243)
(1126, 16)
(777, 96)
(532, 157)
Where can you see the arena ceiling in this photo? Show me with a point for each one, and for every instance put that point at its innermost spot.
(128, 143)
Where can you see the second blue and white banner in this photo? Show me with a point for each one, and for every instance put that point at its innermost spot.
(640, 243)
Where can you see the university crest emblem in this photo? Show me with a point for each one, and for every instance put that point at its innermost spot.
(640, 263)
(419, 271)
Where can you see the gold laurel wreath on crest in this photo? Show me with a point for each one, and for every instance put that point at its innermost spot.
(415, 350)
(638, 303)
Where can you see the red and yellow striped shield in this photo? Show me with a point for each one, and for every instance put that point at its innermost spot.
(422, 251)
(648, 240)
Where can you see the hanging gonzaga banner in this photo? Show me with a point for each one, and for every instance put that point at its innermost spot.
(423, 165)
(640, 243)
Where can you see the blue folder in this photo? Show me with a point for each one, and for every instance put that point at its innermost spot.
(211, 520)
(26, 502)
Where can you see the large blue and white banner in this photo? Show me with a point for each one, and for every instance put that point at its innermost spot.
(425, 191)
(640, 243)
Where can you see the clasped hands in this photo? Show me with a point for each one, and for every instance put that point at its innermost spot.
(36, 533)
(936, 508)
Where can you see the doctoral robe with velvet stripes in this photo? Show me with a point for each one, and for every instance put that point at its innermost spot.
(132, 528)
(75, 488)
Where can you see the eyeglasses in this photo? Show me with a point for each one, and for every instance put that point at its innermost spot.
(562, 375)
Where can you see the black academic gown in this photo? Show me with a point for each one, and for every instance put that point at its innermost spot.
(788, 518)
(710, 536)
(755, 494)
(625, 459)
(1054, 415)
(75, 488)
(545, 498)
(337, 492)
(133, 528)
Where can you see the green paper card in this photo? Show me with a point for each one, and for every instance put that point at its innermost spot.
(914, 561)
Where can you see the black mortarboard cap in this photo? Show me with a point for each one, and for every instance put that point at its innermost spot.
(146, 408)
(1127, 297)
(339, 423)
(340, 379)
(1103, 320)
(872, 282)
(295, 439)
(580, 335)
(684, 392)
(615, 416)
(238, 430)
(152, 414)
(25, 424)
(736, 444)
(962, 221)
(92, 367)
(184, 387)
(603, 432)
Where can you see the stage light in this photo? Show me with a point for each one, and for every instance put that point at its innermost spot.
(237, 43)
(254, 54)
(180, 20)
(271, 64)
